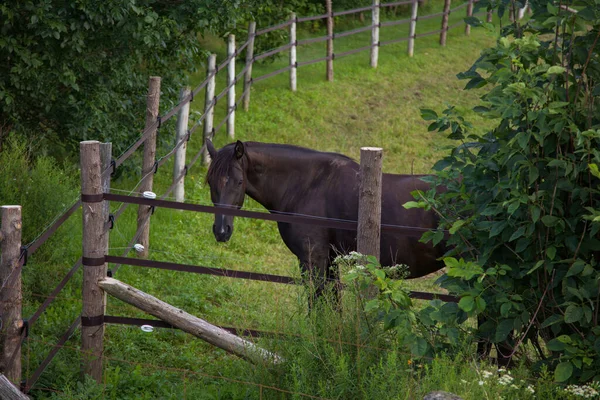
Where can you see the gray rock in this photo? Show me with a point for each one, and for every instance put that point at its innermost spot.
(439, 395)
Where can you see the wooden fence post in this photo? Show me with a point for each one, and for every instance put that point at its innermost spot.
(11, 297)
(209, 106)
(330, 55)
(249, 62)
(369, 201)
(412, 30)
(95, 239)
(444, 32)
(231, 84)
(375, 34)
(148, 163)
(180, 134)
(469, 14)
(293, 60)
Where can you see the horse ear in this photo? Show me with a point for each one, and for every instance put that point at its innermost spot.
(239, 149)
(211, 149)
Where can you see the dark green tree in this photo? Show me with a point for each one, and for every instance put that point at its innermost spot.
(79, 69)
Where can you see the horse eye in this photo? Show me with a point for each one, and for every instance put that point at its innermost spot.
(240, 182)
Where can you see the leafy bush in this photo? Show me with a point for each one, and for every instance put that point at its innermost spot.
(524, 198)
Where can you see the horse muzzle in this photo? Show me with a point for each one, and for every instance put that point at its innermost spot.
(222, 233)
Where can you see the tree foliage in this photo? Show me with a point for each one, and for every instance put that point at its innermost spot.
(523, 207)
(71, 70)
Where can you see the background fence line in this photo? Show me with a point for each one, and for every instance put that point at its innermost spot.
(155, 122)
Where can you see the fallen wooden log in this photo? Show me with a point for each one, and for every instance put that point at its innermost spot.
(189, 323)
(8, 391)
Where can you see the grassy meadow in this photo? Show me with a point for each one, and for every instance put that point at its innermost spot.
(328, 356)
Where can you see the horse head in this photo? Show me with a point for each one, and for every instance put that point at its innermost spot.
(227, 180)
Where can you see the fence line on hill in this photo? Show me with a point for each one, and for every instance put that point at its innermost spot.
(154, 124)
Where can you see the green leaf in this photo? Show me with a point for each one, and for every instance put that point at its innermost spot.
(428, 114)
(480, 304)
(411, 204)
(467, 303)
(549, 220)
(456, 226)
(573, 314)
(563, 371)
(517, 234)
(533, 174)
(553, 319)
(555, 345)
(379, 274)
(551, 252)
(419, 347)
(594, 170)
(504, 328)
(576, 268)
(555, 69)
(536, 266)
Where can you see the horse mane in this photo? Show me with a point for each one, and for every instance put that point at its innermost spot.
(220, 165)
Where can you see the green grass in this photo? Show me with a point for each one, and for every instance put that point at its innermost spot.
(362, 107)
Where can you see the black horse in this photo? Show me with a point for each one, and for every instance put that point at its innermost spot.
(297, 180)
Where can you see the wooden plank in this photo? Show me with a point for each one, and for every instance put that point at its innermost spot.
(180, 134)
(375, 34)
(231, 85)
(369, 201)
(412, 27)
(445, 16)
(11, 297)
(9, 392)
(152, 104)
(293, 59)
(329, 62)
(209, 106)
(249, 63)
(189, 323)
(94, 246)
(469, 14)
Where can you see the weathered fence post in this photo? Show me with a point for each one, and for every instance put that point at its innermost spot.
(330, 55)
(412, 27)
(231, 85)
(11, 298)
(209, 106)
(148, 163)
(249, 62)
(95, 239)
(369, 201)
(469, 14)
(293, 61)
(375, 34)
(444, 32)
(105, 161)
(181, 134)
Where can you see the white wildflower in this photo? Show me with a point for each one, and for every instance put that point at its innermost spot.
(530, 389)
(487, 374)
(481, 383)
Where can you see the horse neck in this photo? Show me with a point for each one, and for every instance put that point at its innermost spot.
(271, 175)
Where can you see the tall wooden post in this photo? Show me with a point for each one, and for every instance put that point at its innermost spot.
(249, 62)
(181, 134)
(11, 298)
(231, 84)
(95, 239)
(330, 56)
(209, 106)
(444, 32)
(375, 34)
(412, 27)
(152, 104)
(369, 201)
(293, 60)
(469, 14)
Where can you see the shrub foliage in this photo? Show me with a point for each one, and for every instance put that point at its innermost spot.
(523, 207)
